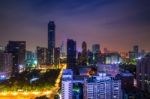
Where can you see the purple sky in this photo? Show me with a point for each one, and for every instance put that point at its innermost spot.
(115, 24)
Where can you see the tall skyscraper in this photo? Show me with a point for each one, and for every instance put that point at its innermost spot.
(67, 84)
(51, 41)
(17, 48)
(71, 54)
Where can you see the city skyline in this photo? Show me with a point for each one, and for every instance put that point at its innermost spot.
(117, 25)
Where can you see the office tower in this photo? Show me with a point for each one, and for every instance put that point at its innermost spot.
(136, 48)
(96, 53)
(67, 84)
(84, 47)
(102, 87)
(17, 48)
(6, 64)
(42, 55)
(143, 73)
(57, 57)
(71, 54)
(96, 48)
(51, 41)
(90, 58)
(84, 54)
(62, 51)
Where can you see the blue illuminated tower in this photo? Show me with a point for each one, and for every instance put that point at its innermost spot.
(51, 41)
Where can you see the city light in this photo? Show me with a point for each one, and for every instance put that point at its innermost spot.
(104, 52)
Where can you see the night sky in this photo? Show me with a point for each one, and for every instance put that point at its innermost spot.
(115, 24)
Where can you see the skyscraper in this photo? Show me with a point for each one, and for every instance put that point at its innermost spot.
(51, 41)
(84, 54)
(17, 48)
(71, 53)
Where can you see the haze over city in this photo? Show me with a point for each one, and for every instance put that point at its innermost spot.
(115, 24)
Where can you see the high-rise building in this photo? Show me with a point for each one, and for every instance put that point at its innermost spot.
(96, 53)
(17, 48)
(62, 51)
(134, 54)
(51, 41)
(96, 48)
(143, 73)
(102, 87)
(136, 48)
(71, 54)
(57, 57)
(6, 64)
(42, 56)
(67, 84)
(84, 54)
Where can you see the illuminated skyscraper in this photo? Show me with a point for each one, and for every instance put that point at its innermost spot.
(67, 84)
(51, 41)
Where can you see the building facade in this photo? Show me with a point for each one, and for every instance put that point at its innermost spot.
(143, 73)
(6, 64)
(102, 87)
(42, 55)
(57, 57)
(17, 49)
(67, 84)
(71, 54)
